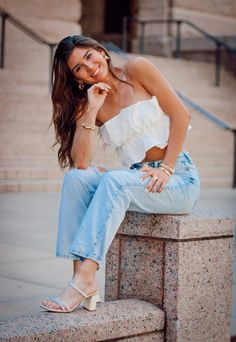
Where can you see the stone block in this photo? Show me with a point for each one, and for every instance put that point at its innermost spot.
(112, 320)
(181, 263)
(198, 289)
(200, 224)
(157, 337)
(141, 266)
(112, 271)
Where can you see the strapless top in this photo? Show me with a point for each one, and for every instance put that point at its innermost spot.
(136, 129)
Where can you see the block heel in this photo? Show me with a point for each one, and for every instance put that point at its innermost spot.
(91, 302)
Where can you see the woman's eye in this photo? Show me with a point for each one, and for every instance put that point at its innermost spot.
(89, 55)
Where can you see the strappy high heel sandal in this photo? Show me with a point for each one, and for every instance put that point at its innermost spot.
(90, 301)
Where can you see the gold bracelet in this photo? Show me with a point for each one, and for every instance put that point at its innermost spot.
(84, 125)
(167, 168)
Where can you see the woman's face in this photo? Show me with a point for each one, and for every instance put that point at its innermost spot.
(88, 65)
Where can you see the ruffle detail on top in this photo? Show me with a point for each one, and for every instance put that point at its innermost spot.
(136, 129)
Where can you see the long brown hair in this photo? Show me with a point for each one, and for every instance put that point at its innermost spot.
(67, 98)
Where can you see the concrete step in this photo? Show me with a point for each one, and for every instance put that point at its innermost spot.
(37, 55)
(50, 29)
(30, 173)
(21, 185)
(36, 10)
(31, 160)
(17, 83)
(24, 108)
(30, 127)
(211, 160)
(112, 320)
(34, 143)
(32, 113)
(26, 148)
(217, 171)
(216, 181)
(41, 114)
(29, 133)
(207, 17)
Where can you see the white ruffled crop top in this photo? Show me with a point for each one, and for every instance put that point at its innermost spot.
(136, 129)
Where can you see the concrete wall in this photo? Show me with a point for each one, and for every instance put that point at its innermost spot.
(155, 34)
(214, 16)
(52, 19)
(225, 7)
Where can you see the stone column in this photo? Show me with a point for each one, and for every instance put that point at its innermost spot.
(156, 40)
(181, 263)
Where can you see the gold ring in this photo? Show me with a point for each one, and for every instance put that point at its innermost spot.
(155, 177)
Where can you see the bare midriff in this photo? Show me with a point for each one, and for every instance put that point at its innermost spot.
(154, 153)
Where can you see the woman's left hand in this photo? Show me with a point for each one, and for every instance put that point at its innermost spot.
(158, 178)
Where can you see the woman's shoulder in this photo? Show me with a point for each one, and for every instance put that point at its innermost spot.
(137, 66)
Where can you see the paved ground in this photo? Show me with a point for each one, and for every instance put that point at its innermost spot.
(29, 271)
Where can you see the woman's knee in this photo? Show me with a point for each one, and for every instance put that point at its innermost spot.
(72, 175)
(77, 176)
(118, 178)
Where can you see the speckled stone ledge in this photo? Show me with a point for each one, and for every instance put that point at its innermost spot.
(181, 263)
(135, 319)
(200, 224)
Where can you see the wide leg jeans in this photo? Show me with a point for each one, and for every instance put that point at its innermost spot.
(93, 205)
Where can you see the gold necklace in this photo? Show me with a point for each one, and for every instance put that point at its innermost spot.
(114, 86)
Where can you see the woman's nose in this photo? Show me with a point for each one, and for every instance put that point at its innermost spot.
(88, 64)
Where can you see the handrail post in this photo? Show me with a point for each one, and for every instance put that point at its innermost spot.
(124, 34)
(141, 43)
(178, 38)
(4, 17)
(234, 175)
(218, 64)
(51, 48)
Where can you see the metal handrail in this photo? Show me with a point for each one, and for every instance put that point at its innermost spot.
(219, 43)
(212, 117)
(28, 31)
(217, 121)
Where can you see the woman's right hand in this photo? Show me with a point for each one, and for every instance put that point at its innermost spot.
(97, 94)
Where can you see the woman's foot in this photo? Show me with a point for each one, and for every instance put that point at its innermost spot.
(70, 296)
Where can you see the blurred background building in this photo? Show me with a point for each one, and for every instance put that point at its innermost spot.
(33, 26)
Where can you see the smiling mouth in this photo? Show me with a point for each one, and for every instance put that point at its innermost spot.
(95, 73)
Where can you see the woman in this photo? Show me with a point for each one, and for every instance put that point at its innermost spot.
(139, 113)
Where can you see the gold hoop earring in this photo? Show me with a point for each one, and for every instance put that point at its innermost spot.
(106, 58)
(81, 86)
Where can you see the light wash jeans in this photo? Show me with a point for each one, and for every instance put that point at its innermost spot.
(93, 205)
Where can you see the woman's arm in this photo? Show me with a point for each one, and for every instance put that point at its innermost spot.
(83, 142)
(156, 84)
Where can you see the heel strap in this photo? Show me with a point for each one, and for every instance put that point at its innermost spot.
(77, 289)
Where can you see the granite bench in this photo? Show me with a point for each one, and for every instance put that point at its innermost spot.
(168, 278)
(182, 264)
(132, 318)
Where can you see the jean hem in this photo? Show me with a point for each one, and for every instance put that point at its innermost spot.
(87, 256)
(66, 256)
